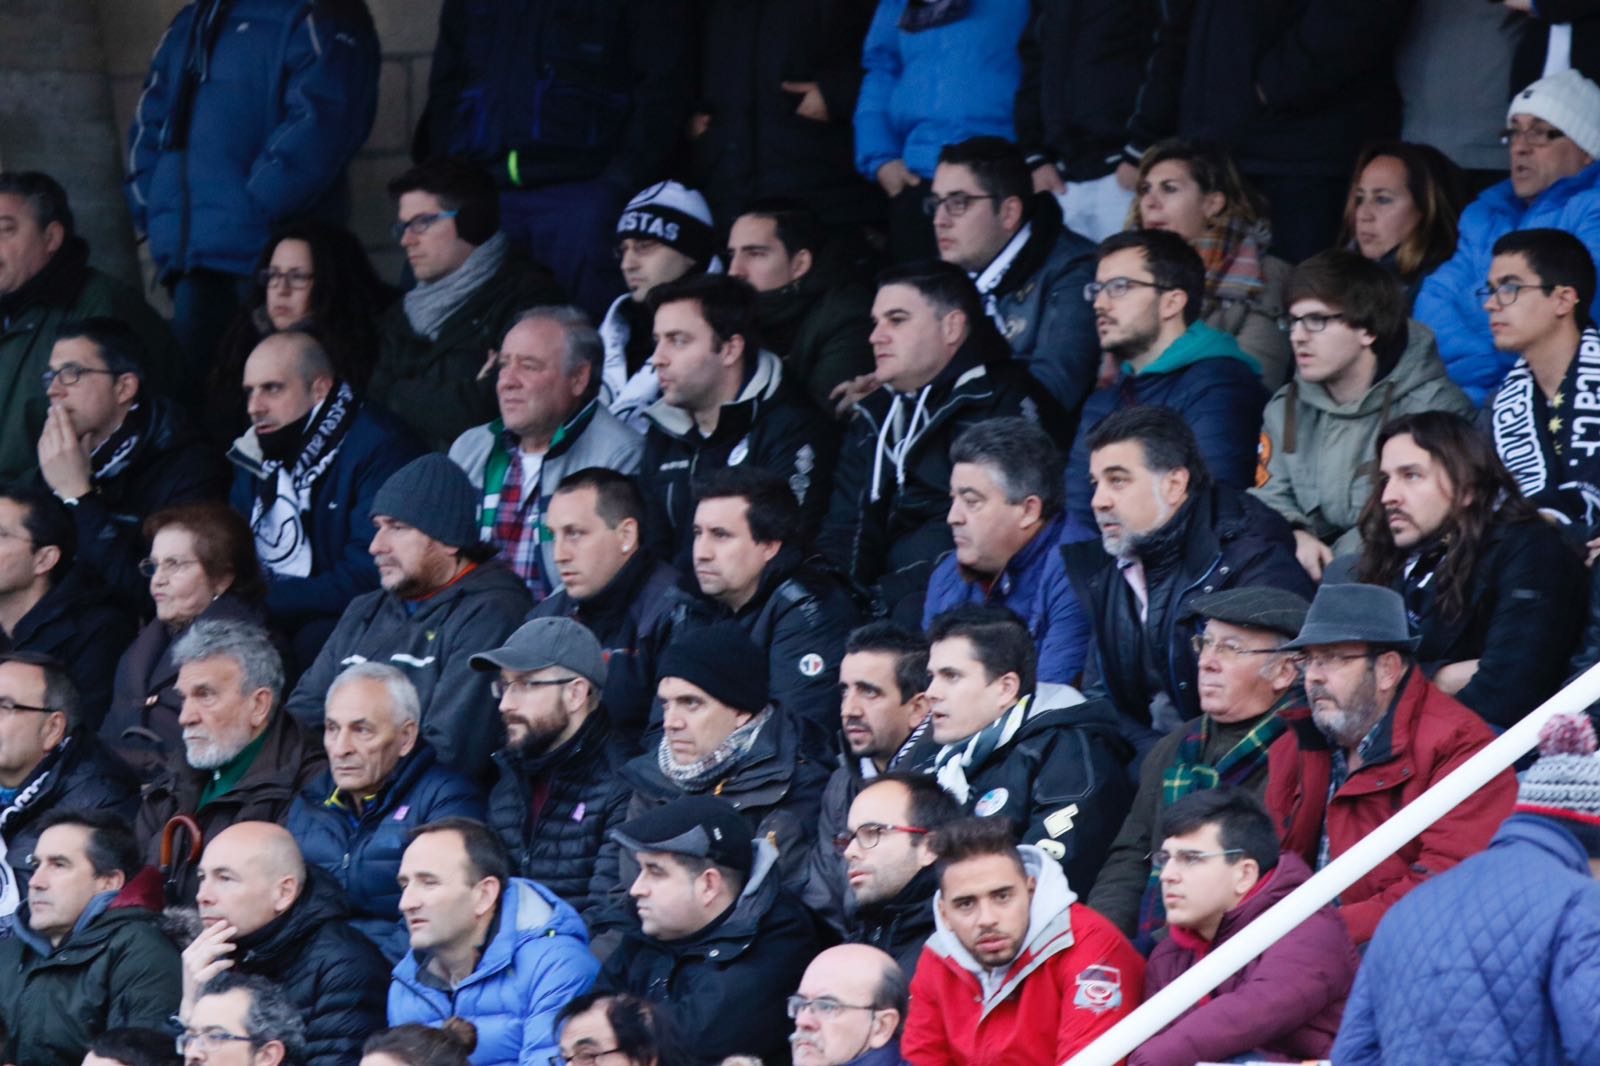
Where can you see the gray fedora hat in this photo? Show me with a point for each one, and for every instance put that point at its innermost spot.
(1356, 614)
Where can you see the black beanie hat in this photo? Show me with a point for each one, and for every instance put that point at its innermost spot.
(724, 661)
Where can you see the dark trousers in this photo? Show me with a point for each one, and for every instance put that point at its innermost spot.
(910, 228)
(571, 229)
(1307, 210)
(204, 303)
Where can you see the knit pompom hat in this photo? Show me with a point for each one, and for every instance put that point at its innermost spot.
(1565, 782)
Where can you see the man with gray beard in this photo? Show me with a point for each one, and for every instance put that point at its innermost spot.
(243, 758)
(1168, 534)
(1376, 736)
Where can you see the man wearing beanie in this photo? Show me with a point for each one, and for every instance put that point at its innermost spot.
(721, 737)
(1553, 136)
(470, 287)
(1496, 960)
(718, 941)
(439, 602)
(665, 233)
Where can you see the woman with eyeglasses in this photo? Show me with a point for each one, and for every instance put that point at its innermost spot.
(615, 1030)
(202, 564)
(451, 1044)
(1402, 209)
(1193, 189)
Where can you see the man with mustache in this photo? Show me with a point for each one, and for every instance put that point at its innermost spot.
(848, 1009)
(1377, 734)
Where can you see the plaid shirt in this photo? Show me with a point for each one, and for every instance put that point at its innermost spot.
(1337, 776)
(518, 528)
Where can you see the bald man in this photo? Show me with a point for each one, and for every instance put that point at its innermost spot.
(848, 1009)
(307, 469)
(265, 912)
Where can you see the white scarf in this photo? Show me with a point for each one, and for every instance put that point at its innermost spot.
(989, 279)
(954, 760)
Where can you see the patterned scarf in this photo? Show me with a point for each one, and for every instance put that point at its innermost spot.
(698, 775)
(431, 303)
(1232, 255)
(277, 517)
(954, 760)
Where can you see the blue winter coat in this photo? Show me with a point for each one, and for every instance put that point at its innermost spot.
(1495, 961)
(282, 97)
(1447, 303)
(1034, 584)
(1208, 379)
(363, 853)
(537, 963)
(340, 524)
(925, 90)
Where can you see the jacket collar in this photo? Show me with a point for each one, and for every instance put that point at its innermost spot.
(620, 593)
(738, 416)
(561, 441)
(591, 735)
(57, 284)
(1044, 216)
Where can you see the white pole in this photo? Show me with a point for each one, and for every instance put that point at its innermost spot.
(1411, 820)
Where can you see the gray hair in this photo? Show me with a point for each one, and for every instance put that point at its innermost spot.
(244, 642)
(1021, 458)
(271, 1017)
(403, 701)
(584, 347)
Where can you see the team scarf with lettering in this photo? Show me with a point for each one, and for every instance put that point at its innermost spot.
(283, 493)
(1552, 446)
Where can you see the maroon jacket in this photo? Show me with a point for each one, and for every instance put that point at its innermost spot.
(1286, 1004)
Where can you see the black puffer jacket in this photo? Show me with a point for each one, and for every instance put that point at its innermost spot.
(79, 627)
(553, 811)
(900, 926)
(80, 775)
(332, 974)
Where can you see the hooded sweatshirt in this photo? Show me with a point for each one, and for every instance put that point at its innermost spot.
(1074, 978)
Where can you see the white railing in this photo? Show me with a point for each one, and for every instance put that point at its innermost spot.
(1159, 1011)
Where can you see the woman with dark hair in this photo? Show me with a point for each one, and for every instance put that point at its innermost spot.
(1193, 189)
(1402, 209)
(202, 564)
(637, 1031)
(450, 1044)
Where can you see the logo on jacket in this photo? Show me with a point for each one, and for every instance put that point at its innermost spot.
(991, 802)
(1263, 458)
(740, 453)
(1014, 326)
(1099, 989)
(811, 664)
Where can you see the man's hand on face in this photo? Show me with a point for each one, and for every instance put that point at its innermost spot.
(64, 456)
(203, 959)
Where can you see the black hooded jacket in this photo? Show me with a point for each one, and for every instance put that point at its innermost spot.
(75, 624)
(81, 774)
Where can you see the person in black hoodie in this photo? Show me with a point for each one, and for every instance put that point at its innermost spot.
(265, 912)
(941, 366)
(116, 453)
(48, 762)
(724, 402)
(52, 607)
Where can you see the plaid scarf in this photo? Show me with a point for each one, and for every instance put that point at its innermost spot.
(698, 775)
(1232, 255)
(1189, 773)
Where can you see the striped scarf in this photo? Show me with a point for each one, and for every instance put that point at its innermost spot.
(1232, 255)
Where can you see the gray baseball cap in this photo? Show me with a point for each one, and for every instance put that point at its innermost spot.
(547, 642)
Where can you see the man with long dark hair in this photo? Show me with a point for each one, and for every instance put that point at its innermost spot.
(1491, 590)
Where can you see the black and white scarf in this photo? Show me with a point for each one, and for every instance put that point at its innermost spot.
(116, 451)
(989, 278)
(278, 515)
(1552, 446)
(954, 760)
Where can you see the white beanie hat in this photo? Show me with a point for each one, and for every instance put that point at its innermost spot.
(1568, 101)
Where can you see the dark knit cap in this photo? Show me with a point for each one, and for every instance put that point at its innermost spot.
(722, 660)
(431, 494)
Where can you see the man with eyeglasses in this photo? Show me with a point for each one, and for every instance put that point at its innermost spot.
(1018, 973)
(719, 943)
(1146, 298)
(115, 452)
(556, 793)
(243, 1020)
(1553, 137)
(1376, 734)
(86, 953)
(470, 286)
(304, 476)
(1028, 267)
(1243, 682)
(48, 760)
(849, 1008)
(1220, 869)
(441, 599)
(1358, 363)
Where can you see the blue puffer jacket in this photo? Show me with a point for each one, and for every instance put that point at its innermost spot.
(363, 853)
(925, 90)
(1208, 379)
(1034, 584)
(250, 111)
(1447, 304)
(537, 963)
(1496, 961)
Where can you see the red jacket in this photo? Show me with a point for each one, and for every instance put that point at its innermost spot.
(1076, 977)
(1427, 735)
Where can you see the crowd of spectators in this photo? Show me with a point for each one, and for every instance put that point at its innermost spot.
(863, 536)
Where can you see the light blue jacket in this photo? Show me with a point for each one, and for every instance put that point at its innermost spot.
(938, 86)
(1447, 303)
(537, 963)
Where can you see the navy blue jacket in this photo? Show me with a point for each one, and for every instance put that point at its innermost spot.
(249, 113)
(363, 853)
(1034, 584)
(340, 526)
(1491, 962)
